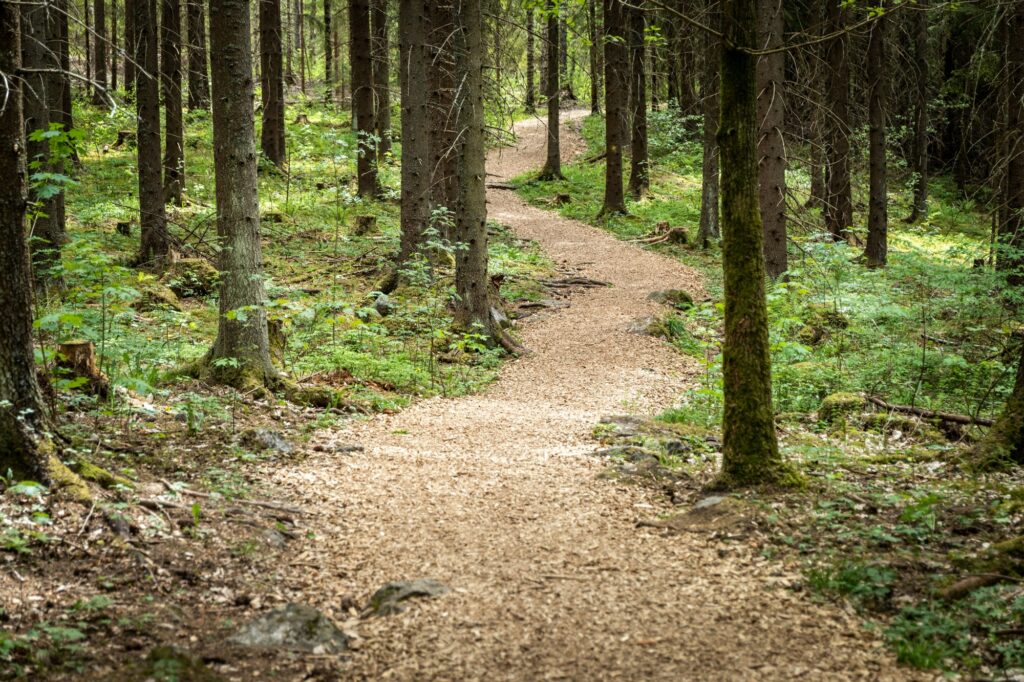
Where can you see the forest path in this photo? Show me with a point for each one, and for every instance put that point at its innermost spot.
(495, 495)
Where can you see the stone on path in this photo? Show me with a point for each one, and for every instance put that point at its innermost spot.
(294, 627)
(387, 600)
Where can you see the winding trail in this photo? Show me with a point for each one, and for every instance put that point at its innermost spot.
(495, 496)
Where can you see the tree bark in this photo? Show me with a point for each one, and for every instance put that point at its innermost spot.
(100, 95)
(639, 171)
(155, 246)
(170, 83)
(1004, 443)
(531, 88)
(473, 304)
(444, 186)
(198, 80)
(709, 208)
(750, 453)
(130, 46)
(272, 142)
(1010, 257)
(113, 47)
(413, 77)
(771, 146)
(877, 248)
(26, 448)
(595, 57)
(300, 4)
(553, 163)
(241, 354)
(381, 77)
(63, 49)
(838, 200)
(920, 160)
(328, 53)
(616, 87)
(364, 120)
(42, 92)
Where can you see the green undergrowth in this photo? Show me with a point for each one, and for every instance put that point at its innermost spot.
(892, 518)
(321, 277)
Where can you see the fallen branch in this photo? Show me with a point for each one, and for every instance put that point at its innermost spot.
(500, 185)
(930, 414)
(574, 282)
(961, 588)
(253, 503)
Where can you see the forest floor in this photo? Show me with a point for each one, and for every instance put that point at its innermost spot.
(497, 496)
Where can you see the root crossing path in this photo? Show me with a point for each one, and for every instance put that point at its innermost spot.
(495, 495)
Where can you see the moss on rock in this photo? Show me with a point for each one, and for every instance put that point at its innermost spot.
(836, 408)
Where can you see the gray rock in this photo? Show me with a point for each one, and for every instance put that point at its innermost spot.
(709, 502)
(642, 326)
(265, 439)
(294, 627)
(384, 305)
(629, 453)
(626, 426)
(387, 600)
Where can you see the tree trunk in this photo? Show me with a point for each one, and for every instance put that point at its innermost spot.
(553, 163)
(655, 60)
(639, 172)
(155, 245)
(687, 93)
(113, 47)
(1011, 232)
(595, 58)
(364, 123)
(838, 201)
(198, 81)
(413, 76)
(241, 354)
(130, 46)
(100, 96)
(531, 88)
(170, 82)
(750, 452)
(473, 304)
(63, 49)
(771, 146)
(328, 53)
(302, 45)
(87, 35)
(616, 87)
(709, 209)
(878, 85)
(920, 161)
(444, 186)
(1004, 443)
(26, 448)
(272, 142)
(381, 77)
(42, 92)
(816, 168)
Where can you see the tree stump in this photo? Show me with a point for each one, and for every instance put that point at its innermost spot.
(278, 341)
(77, 359)
(125, 137)
(365, 224)
(562, 199)
(301, 119)
(124, 228)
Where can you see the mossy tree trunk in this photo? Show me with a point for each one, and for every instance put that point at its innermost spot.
(170, 83)
(413, 75)
(198, 79)
(1004, 443)
(616, 87)
(553, 163)
(155, 246)
(241, 353)
(750, 452)
(328, 52)
(381, 76)
(272, 142)
(709, 208)
(877, 249)
(364, 122)
(639, 162)
(771, 147)
(26, 447)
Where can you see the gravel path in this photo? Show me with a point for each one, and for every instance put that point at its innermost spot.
(495, 496)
